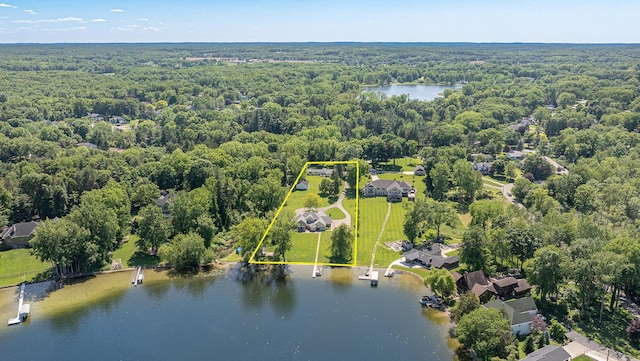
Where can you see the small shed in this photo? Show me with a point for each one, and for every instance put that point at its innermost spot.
(374, 279)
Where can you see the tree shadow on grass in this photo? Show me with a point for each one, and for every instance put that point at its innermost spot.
(142, 259)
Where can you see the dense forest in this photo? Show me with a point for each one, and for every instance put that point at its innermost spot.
(90, 135)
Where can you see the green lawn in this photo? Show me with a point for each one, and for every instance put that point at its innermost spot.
(401, 164)
(296, 200)
(336, 213)
(130, 256)
(493, 181)
(582, 358)
(18, 265)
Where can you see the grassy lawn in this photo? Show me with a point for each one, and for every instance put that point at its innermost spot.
(19, 265)
(493, 181)
(372, 213)
(303, 247)
(336, 213)
(419, 271)
(401, 164)
(582, 358)
(465, 219)
(296, 200)
(131, 257)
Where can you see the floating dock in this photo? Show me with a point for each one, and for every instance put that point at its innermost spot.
(23, 310)
(374, 279)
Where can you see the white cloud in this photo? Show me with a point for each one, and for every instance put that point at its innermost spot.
(31, 12)
(143, 19)
(126, 28)
(58, 20)
(99, 20)
(77, 28)
(3, 5)
(116, 10)
(151, 28)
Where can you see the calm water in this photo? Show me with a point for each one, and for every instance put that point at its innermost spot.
(417, 92)
(335, 317)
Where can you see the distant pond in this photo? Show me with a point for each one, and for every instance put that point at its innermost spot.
(223, 317)
(415, 91)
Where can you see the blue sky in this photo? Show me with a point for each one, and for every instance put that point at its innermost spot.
(585, 21)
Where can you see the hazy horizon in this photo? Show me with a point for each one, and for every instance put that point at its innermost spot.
(494, 21)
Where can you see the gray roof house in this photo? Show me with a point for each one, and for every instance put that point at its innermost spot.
(323, 172)
(19, 234)
(431, 257)
(548, 353)
(392, 189)
(419, 170)
(312, 221)
(519, 312)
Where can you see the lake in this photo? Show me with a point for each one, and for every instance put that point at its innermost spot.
(334, 317)
(415, 91)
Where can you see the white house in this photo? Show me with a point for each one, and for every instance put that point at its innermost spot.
(519, 312)
(323, 172)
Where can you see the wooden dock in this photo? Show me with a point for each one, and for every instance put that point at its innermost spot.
(23, 309)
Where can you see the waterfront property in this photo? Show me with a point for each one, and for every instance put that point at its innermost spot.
(18, 234)
(519, 312)
(484, 288)
(430, 257)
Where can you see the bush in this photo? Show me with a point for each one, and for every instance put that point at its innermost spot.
(633, 330)
(556, 331)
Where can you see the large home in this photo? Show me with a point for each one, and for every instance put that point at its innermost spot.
(392, 189)
(313, 221)
(548, 353)
(511, 287)
(477, 283)
(19, 234)
(303, 185)
(323, 172)
(483, 167)
(430, 257)
(519, 312)
(419, 170)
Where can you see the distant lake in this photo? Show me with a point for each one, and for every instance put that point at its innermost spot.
(333, 317)
(415, 92)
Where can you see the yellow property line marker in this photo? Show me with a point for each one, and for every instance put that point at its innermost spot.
(284, 202)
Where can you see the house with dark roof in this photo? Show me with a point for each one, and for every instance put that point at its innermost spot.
(519, 312)
(419, 170)
(477, 283)
(303, 185)
(511, 287)
(18, 234)
(313, 221)
(548, 353)
(430, 257)
(392, 189)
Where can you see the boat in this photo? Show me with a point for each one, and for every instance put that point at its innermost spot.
(389, 272)
(431, 301)
(318, 271)
(374, 279)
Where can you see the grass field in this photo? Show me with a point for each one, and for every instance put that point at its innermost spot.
(296, 200)
(401, 164)
(130, 256)
(336, 213)
(18, 265)
(304, 246)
